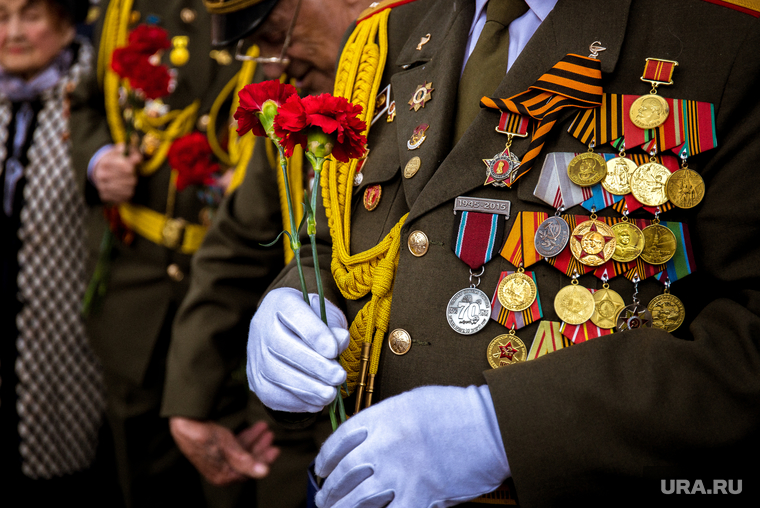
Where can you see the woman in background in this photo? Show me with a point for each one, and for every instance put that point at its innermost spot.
(51, 398)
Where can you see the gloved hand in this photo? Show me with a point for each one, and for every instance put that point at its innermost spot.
(292, 355)
(434, 446)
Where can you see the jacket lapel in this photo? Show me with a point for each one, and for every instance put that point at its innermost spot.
(567, 29)
(439, 61)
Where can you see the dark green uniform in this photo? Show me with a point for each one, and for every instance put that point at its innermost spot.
(577, 422)
(131, 330)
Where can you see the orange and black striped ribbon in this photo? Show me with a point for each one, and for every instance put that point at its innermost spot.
(573, 82)
(603, 124)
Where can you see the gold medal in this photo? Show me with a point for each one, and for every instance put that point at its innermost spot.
(574, 304)
(685, 188)
(648, 184)
(649, 111)
(587, 169)
(629, 242)
(517, 292)
(592, 242)
(372, 196)
(506, 349)
(607, 306)
(659, 244)
(667, 312)
(412, 167)
(618, 179)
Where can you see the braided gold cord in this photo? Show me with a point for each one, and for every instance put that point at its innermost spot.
(372, 271)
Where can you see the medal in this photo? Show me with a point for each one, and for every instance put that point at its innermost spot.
(391, 112)
(635, 315)
(659, 244)
(474, 241)
(412, 167)
(517, 291)
(619, 171)
(468, 311)
(587, 169)
(372, 196)
(667, 310)
(502, 168)
(607, 306)
(648, 183)
(629, 241)
(574, 304)
(505, 350)
(592, 242)
(551, 236)
(418, 137)
(685, 188)
(421, 96)
(650, 111)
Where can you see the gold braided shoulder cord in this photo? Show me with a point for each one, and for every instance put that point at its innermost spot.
(358, 80)
(166, 128)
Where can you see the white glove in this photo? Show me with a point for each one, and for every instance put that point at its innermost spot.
(431, 447)
(292, 354)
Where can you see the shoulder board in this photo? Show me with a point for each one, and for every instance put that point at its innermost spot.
(376, 7)
(751, 7)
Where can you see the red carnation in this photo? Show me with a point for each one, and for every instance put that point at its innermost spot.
(149, 39)
(153, 81)
(334, 116)
(252, 99)
(190, 156)
(127, 63)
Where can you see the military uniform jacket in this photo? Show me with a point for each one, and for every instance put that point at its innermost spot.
(576, 421)
(141, 296)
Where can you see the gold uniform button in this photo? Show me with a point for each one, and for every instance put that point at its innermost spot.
(203, 122)
(418, 243)
(175, 273)
(400, 341)
(134, 17)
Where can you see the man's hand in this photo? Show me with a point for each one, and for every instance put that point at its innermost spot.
(115, 176)
(431, 446)
(220, 456)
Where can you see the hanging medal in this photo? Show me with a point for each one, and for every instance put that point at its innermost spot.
(659, 243)
(667, 310)
(592, 242)
(685, 188)
(649, 181)
(515, 302)
(552, 235)
(635, 315)
(588, 168)
(629, 240)
(506, 349)
(650, 111)
(477, 236)
(501, 169)
(619, 171)
(574, 304)
(607, 306)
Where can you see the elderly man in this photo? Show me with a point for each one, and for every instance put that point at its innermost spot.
(583, 422)
(231, 270)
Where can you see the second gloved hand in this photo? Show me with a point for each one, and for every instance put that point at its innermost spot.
(292, 355)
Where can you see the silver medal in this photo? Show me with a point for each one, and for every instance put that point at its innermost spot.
(468, 311)
(551, 236)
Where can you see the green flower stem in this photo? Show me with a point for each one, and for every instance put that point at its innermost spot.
(311, 223)
(295, 243)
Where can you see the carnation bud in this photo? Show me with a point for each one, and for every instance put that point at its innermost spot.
(266, 116)
(319, 143)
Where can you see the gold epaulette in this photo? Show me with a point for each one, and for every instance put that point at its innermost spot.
(751, 7)
(175, 234)
(376, 7)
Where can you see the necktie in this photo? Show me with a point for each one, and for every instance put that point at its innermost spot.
(487, 64)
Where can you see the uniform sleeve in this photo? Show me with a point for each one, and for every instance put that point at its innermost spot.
(230, 272)
(577, 422)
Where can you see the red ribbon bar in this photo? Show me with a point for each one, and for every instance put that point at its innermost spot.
(659, 71)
